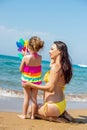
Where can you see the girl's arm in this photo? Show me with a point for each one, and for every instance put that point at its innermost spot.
(22, 64)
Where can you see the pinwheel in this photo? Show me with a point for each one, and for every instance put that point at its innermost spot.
(22, 47)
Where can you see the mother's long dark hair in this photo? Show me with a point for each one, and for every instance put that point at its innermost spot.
(65, 62)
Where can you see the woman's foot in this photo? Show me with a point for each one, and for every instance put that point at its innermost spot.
(59, 119)
(22, 116)
(54, 119)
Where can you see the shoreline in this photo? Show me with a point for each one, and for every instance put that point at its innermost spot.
(14, 104)
(80, 97)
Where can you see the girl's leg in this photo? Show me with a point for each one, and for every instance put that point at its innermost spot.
(25, 103)
(34, 102)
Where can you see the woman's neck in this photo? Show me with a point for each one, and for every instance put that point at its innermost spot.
(55, 61)
(58, 60)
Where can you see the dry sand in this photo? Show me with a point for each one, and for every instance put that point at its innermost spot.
(10, 121)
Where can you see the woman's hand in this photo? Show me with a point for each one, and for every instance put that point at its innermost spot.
(47, 87)
(26, 84)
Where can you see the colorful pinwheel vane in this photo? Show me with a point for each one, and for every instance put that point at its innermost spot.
(22, 47)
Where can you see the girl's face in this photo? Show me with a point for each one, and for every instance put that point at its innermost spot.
(54, 52)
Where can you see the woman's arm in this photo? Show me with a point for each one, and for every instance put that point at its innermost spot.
(50, 86)
(41, 87)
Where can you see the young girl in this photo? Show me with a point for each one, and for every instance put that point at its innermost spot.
(31, 71)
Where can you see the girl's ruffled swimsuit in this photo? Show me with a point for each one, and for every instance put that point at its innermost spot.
(32, 74)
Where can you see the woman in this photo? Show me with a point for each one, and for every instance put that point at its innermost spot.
(60, 75)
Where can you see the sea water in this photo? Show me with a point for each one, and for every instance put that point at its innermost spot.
(10, 79)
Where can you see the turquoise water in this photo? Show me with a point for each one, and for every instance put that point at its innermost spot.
(10, 83)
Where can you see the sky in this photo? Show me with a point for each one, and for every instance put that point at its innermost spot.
(51, 20)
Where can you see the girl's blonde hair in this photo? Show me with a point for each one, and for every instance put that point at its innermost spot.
(35, 43)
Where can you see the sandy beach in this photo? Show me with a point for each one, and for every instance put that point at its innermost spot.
(11, 107)
(10, 121)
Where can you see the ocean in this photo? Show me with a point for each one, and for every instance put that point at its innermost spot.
(10, 80)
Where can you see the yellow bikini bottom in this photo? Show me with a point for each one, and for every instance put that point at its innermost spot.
(61, 106)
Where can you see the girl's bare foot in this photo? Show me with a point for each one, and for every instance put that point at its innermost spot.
(22, 116)
(32, 118)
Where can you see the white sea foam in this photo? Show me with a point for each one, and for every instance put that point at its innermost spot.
(77, 97)
(19, 94)
(10, 93)
(82, 65)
